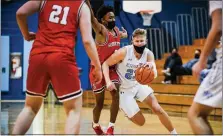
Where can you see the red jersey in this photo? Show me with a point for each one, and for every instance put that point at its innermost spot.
(112, 43)
(57, 27)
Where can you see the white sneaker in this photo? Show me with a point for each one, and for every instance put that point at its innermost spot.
(166, 72)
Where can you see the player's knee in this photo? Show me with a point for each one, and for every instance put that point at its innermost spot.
(115, 96)
(31, 110)
(157, 109)
(138, 119)
(191, 113)
(141, 122)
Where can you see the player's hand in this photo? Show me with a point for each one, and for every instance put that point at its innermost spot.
(111, 86)
(123, 30)
(124, 33)
(97, 74)
(31, 36)
(198, 67)
(148, 64)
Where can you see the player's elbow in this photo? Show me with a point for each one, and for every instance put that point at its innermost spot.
(104, 65)
(87, 42)
(217, 29)
(21, 12)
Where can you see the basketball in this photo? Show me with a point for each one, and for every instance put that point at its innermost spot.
(144, 75)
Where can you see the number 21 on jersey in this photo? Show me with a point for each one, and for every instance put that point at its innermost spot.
(56, 12)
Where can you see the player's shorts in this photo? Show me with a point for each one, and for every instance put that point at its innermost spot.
(128, 97)
(58, 68)
(210, 91)
(100, 87)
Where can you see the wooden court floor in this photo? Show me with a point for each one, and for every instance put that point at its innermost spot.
(51, 120)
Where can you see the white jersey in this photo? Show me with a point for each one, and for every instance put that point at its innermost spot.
(126, 69)
(213, 5)
(210, 91)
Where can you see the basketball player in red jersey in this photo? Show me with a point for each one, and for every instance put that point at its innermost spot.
(52, 58)
(108, 40)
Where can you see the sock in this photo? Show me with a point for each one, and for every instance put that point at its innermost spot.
(111, 124)
(173, 132)
(95, 125)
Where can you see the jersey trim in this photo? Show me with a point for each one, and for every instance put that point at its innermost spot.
(43, 3)
(79, 11)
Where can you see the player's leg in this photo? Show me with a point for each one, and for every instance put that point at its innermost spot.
(34, 95)
(115, 104)
(145, 95)
(208, 96)
(99, 103)
(113, 109)
(73, 111)
(98, 90)
(130, 107)
(115, 101)
(99, 98)
(27, 115)
(152, 102)
(138, 119)
(197, 116)
(65, 81)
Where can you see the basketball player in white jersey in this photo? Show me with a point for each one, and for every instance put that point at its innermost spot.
(209, 94)
(128, 59)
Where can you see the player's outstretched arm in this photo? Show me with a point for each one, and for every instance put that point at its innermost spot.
(212, 40)
(98, 27)
(89, 44)
(213, 36)
(22, 13)
(151, 61)
(123, 33)
(115, 58)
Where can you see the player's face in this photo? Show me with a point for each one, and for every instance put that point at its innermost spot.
(139, 40)
(110, 16)
(109, 20)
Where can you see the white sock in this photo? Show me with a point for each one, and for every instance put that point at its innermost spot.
(111, 124)
(95, 125)
(174, 132)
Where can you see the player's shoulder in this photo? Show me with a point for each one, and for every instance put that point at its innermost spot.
(148, 50)
(125, 48)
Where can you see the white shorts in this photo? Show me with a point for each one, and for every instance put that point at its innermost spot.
(210, 91)
(213, 5)
(128, 97)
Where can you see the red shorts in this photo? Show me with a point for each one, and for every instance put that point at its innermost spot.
(98, 88)
(58, 68)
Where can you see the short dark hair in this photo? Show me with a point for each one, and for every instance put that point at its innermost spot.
(103, 10)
